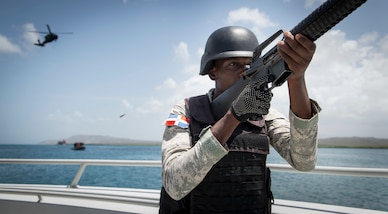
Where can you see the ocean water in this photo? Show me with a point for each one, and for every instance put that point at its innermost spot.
(363, 192)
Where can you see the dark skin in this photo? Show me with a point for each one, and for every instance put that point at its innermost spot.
(297, 51)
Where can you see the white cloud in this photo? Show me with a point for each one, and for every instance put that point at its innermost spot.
(181, 51)
(200, 52)
(313, 3)
(169, 83)
(369, 38)
(152, 105)
(30, 36)
(248, 15)
(175, 89)
(20, 46)
(6, 46)
(191, 68)
(348, 79)
(126, 104)
(259, 20)
(196, 85)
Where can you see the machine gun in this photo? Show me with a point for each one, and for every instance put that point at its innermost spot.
(313, 26)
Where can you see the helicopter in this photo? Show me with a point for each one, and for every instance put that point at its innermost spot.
(49, 37)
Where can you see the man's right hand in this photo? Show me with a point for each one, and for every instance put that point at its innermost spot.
(253, 101)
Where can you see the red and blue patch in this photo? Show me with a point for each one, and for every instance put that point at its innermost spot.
(178, 120)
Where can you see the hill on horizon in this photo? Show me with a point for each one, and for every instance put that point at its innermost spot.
(353, 142)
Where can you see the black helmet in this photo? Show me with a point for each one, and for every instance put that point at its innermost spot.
(228, 42)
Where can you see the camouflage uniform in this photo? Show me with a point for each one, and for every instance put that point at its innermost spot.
(184, 166)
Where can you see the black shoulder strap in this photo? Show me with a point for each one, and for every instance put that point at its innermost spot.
(200, 115)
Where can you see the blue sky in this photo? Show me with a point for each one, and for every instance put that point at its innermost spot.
(139, 57)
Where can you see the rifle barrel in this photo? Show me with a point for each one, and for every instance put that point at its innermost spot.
(325, 17)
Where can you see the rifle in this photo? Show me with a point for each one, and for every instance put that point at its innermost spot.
(313, 26)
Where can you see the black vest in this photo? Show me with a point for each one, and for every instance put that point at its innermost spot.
(239, 182)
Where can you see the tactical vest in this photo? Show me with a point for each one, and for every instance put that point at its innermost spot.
(239, 182)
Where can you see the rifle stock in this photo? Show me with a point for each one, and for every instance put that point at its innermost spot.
(313, 26)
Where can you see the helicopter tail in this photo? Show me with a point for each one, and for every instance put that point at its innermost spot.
(39, 44)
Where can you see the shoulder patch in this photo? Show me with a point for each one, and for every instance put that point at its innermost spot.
(178, 120)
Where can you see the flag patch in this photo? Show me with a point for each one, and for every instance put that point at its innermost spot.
(178, 120)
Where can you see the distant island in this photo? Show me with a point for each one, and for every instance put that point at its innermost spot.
(335, 142)
(353, 142)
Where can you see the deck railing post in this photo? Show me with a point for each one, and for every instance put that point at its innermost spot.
(77, 177)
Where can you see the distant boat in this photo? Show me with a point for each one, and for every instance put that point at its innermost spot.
(79, 146)
(62, 142)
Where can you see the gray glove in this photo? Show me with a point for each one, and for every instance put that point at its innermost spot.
(253, 101)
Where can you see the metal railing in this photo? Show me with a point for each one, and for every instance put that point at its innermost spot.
(83, 163)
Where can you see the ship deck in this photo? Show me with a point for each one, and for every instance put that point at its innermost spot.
(72, 198)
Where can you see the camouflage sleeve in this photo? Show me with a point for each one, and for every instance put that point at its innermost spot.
(183, 166)
(295, 140)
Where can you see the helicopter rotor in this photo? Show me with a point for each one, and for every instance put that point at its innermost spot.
(50, 32)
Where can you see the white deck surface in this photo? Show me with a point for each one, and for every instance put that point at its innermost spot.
(31, 199)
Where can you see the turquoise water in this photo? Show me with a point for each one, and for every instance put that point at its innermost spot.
(352, 191)
(362, 192)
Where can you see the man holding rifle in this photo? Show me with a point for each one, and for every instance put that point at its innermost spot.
(213, 165)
